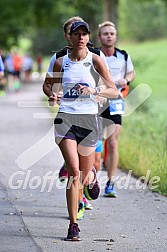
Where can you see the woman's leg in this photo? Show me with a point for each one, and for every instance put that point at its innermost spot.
(88, 173)
(68, 148)
(86, 163)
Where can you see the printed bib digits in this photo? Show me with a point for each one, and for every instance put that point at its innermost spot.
(71, 91)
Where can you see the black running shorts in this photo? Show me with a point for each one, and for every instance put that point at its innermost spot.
(117, 119)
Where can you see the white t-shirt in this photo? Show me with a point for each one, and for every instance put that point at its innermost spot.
(51, 64)
(117, 65)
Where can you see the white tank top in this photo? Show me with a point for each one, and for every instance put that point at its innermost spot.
(74, 73)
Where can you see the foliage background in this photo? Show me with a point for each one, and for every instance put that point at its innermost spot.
(41, 21)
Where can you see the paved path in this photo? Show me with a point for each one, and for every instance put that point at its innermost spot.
(33, 214)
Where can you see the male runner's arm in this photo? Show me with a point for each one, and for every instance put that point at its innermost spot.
(55, 83)
(48, 82)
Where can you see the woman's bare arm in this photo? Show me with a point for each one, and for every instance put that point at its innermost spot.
(105, 79)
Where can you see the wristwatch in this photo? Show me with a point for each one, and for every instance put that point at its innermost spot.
(128, 82)
(97, 90)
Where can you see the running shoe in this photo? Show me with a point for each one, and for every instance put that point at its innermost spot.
(81, 210)
(63, 174)
(87, 205)
(110, 190)
(73, 232)
(92, 191)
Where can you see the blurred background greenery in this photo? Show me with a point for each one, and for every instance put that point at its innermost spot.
(36, 26)
(38, 23)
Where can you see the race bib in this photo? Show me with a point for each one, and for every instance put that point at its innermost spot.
(71, 91)
(116, 106)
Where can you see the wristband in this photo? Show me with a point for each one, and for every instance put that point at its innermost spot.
(120, 94)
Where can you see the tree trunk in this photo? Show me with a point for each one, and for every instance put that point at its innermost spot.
(110, 11)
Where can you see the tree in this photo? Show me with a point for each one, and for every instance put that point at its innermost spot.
(110, 11)
(144, 19)
(15, 18)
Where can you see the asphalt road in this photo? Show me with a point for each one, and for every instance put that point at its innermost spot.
(33, 214)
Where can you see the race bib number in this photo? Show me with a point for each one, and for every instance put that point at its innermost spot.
(116, 107)
(71, 91)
